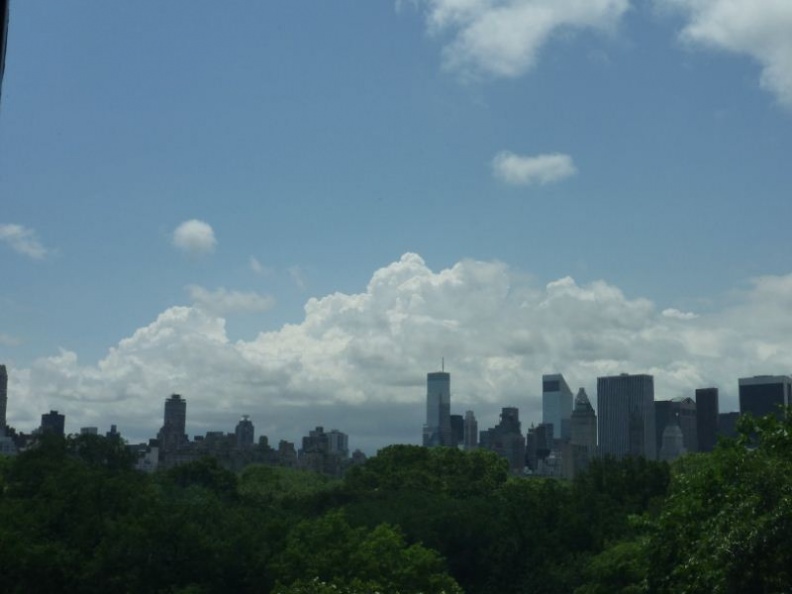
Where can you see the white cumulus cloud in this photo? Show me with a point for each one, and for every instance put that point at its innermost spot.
(358, 361)
(504, 37)
(672, 312)
(23, 240)
(194, 237)
(222, 301)
(525, 170)
(761, 29)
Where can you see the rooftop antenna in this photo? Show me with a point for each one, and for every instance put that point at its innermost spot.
(442, 364)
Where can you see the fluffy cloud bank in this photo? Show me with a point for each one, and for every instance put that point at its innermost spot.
(522, 170)
(23, 241)
(357, 362)
(761, 29)
(503, 37)
(194, 237)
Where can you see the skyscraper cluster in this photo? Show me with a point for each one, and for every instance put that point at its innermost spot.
(325, 452)
(628, 422)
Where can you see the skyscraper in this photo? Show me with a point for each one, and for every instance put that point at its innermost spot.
(506, 439)
(437, 431)
(556, 404)
(3, 398)
(625, 414)
(707, 418)
(338, 442)
(582, 446)
(471, 431)
(172, 435)
(583, 424)
(245, 433)
(672, 444)
(763, 395)
(457, 430)
(53, 422)
(679, 412)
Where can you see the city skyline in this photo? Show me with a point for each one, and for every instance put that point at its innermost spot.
(294, 211)
(626, 399)
(633, 423)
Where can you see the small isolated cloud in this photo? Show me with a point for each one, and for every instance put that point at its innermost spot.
(222, 301)
(23, 240)
(761, 29)
(679, 315)
(194, 237)
(520, 170)
(504, 37)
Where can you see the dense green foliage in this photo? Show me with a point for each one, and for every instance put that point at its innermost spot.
(75, 517)
(725, 526)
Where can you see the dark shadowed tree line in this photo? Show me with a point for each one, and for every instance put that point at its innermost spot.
(76, 517)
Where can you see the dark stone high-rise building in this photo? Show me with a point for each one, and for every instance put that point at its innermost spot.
(324, 452)
(245, 433)
(3, 398)
(727, 424)
(457, 430)
(53, 422)
(625, 415)
(681, 412)
(338, 442)
(172, 436)
(707, 418)
(763, 395)
(507, 439)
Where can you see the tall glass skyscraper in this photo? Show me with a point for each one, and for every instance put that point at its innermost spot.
(556, 404)
(626, 416)
(437, 430)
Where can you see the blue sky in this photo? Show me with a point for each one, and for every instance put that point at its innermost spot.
(640, 148)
